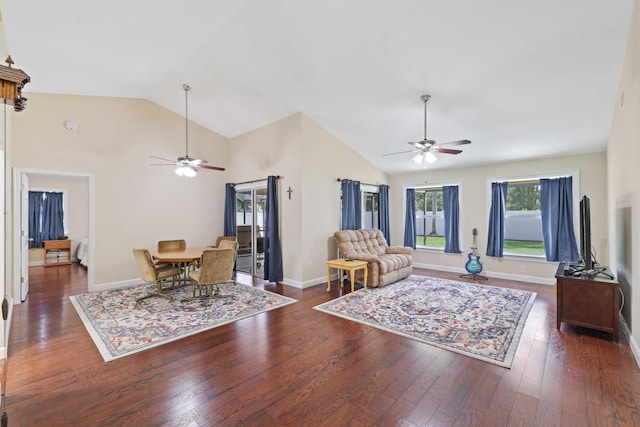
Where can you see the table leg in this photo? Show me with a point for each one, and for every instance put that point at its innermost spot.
(351, 274)
(366, 274)
(341, 274)
(328, 278)
(187, 280)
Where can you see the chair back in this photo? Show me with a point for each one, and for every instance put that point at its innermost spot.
(172, 245)
(146, 269)
(228, 244)
(365, 241)
(222, 238)
(217, 266)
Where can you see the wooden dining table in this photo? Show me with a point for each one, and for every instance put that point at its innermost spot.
(183, 257)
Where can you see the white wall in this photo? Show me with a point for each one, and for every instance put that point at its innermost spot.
(325, 160)
(310, 160)
(474, 185)
(275, 149)
(135, 204)
(624, 183)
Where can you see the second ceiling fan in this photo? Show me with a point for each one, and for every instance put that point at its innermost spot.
(424, 149)
(185, 165)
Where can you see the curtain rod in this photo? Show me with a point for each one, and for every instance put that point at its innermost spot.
(256, 180)
(373, 185)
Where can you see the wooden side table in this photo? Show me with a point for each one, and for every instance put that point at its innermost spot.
(57, 252)
(588, 301)
(343, 265)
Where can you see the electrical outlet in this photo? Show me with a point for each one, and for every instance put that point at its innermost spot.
(523, 269)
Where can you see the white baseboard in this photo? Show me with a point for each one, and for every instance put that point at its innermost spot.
(41, 263)
(293, 283)
(492, 274)
(632, 342)
(309, 283)
(115, 285)
(516, 277)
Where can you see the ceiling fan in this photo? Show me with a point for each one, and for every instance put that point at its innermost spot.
(185, 165)
(424, 149)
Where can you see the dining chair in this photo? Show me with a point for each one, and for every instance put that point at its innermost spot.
(221, 242)
(216, 268)
(159, 274)
(228, 244)
(233, 244)
(223, 238)
(171, 246)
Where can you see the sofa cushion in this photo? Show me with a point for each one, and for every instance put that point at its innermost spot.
(393, 262)
(368, 241)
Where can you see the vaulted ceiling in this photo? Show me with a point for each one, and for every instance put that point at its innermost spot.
(520, 79)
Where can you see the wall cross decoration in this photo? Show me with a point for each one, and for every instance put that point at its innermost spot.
(289, 191)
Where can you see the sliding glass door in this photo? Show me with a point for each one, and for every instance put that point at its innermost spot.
(250, 228)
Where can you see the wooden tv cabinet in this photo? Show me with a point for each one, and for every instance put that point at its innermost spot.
(588, 301)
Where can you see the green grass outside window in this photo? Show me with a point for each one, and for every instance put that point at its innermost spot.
(529, 247)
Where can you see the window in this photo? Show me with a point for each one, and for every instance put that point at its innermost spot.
(523, 231)
(47, 220)
(371, 211)
(430, 217)
(523, 219)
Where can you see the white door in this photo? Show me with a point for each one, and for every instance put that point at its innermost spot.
(24, 236)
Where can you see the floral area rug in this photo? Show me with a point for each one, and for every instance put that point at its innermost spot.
(119, 326)
(484, 322)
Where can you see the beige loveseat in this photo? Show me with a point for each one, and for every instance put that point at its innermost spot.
(386, 264)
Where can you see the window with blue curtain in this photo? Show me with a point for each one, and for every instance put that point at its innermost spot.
(46, 217)
(364, 206)
(436, 213)
(532, 217)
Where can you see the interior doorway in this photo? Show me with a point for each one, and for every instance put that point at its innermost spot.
(251, 202)
(78, 216)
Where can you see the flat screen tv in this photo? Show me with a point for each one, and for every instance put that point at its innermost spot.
(585, 234)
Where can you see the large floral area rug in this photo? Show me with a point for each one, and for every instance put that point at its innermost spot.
(119, 326)
(479, 321)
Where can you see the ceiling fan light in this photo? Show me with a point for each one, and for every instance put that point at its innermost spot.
(180, 170)
(417, 158)
(429, 157)
(190, 171)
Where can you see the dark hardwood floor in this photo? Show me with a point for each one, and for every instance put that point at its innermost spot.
(298, 366)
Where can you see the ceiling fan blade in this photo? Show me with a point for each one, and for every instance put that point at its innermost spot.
(400, 152)
(446, 150)
(460, 142)
(421, 144)
(166, 160)
(196, 162)
(162, 164)
(209, 167)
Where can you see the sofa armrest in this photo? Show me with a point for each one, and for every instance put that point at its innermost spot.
(360, 256)
(398, 250)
